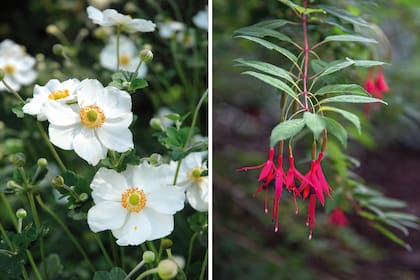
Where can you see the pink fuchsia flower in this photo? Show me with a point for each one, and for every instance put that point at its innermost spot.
(338, 218)
(371, 87)
(278, 190)
(267, 175)
(290, 180)
(380, 83)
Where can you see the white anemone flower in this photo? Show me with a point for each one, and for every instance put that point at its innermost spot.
(197, 186)
(98, 122)
(137, 204)
(168, 29)
(111, 17)
(53, 91)
(129, 56)
(201, 19)
(16, 65)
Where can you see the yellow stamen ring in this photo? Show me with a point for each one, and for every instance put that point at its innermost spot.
(124, 60)
(194, 174)
(9, 69)
(92, 116)
(58, 94)
(134, 200)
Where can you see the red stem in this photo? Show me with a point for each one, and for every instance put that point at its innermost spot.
(306, 52)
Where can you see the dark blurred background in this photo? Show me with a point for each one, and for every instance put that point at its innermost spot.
(245, 111)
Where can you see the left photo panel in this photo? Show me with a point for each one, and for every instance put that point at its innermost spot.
(104, 140)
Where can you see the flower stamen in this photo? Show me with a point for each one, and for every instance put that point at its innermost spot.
(92, 116)
(194, 174)
(9, 69)
(134, 200)
(124, 60)
(59, 94)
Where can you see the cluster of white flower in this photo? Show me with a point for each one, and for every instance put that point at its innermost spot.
(16, 65)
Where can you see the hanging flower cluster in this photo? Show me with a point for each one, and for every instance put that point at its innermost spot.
(376, 87)
(16, 65)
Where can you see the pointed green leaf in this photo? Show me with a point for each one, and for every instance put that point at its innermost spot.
(352, 88)
(349, 116)
(285, 130)
(368, 63)
(402, 216)
(272, 24)
(352, 99)
(344, 15)
(301, 9)
(261, 32)
(387, 202)
(267, 68)
(336, 129)
(271, 46)
(274, 82)
(349, 38)
(314, 122)
(336, 66)
(391, 236)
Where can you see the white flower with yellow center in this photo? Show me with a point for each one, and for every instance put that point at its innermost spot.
(16, 65)
(53, 91)
(169, 28)
(197, 185)
(201, 19)
(129, 56)
(111, 17)
(98, 122)
(137, 204)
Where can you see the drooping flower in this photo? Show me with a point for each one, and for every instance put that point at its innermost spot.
(169, 28)
(370, 86)
(337, 217)
(380, 83)
(111, 17)
(279, 181)
(197, 188)
(98, 122)
(291, 176)
(267, 175)
(16, 64)
(53, 91)
(128, 56)
(137, 204)
(201, 19)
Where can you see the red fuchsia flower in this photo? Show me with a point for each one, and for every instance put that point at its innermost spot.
(338, 218)
(310, 219)
(381, 84)
(267, 175)
(278, 191)
(290, 180)
(371, 87)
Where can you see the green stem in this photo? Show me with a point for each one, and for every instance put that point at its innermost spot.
(103, 250)
(34, 267)
(24, 273)
(204, 265)
(51, 147)
(134, 270)
(178, 66)
(38, 227)
(15, 93)
(67, 230)
(193, 237)
(134, 75)
(147, 273)
(190, 133)
(113, 247)
(9, 209)
(5, 237)
(118, 46)
(152, 247)
(122, 257)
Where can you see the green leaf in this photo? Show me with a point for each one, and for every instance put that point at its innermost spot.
(349, 38)
(314, 122)
(271, 46)
(301, 9)
(402, 216)
(116, 273)
(385, 202)
(285, 130)
(391, 236)
(198, 222)
(349, 116)
(336, 66)
(267, 68)
(274, 82)
(137, 84)
(17, 109)
(272, 24)
(344, 15)
(336, 129)
(368, 63)
(340, 88)
(352, 99)
(261, 32)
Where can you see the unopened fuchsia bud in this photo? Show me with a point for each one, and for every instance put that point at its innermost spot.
(381, 84)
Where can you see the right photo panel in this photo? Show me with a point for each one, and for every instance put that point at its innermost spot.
(316, 139)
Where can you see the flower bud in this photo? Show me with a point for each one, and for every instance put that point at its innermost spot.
(155, 123)
(42, 163)
(18, 159)
(57, 182)
(155, 159)
(167, 269)
(13, 185)
(166, 243)
(1, 74)
(52, 29)
(83, 196)
(58, 49)
(146, 55)
(148, 257)
(21, 213)
(180, 261)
